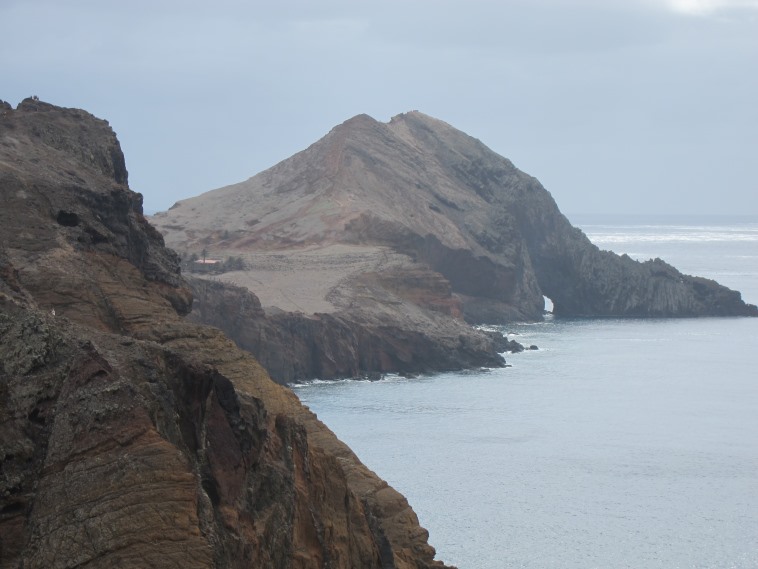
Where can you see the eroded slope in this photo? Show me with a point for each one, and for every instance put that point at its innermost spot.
(418, 188)
(129, 436)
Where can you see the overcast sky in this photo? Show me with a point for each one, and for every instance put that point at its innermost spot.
(616, 106)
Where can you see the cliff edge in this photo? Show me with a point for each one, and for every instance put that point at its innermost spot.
(129, 436)
(413, 228)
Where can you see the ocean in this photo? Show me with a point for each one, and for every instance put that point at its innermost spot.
(617, 444)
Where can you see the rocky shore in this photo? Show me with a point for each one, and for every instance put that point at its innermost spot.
(129, 436)
(371, 250)
(294, 346)
(132, 434)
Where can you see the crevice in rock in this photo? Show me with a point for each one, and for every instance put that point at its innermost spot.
(67, 219)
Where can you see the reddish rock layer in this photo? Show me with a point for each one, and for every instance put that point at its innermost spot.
(130, 437)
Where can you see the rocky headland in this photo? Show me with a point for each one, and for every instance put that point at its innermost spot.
(371, 251)
(130, 436)
(294, 346)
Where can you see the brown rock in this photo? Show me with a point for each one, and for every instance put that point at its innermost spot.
(130, 437)
(294, 346)
(424, 196)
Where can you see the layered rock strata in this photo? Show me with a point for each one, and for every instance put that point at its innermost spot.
(293, 346)
(370, 248)
(414, 196)
(130, 437)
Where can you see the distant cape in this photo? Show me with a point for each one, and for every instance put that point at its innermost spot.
(405, 230)
(421, 188)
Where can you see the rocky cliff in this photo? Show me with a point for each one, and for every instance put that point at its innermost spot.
(293, 346)
(130, 437)
(410, 225)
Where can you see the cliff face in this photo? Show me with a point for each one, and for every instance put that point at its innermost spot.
(427, 197)
(579, 278)
(293, 346)
(129, 436)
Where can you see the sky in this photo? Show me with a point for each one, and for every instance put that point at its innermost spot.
(616, 106)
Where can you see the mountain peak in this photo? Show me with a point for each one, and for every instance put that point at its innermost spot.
(418, 116)
(361, 118)
(439, 197)
(71, 136)
(358, 122)
(400, 124)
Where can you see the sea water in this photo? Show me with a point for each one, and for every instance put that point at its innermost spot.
(618, 444)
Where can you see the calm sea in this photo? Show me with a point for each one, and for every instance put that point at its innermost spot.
(619, 444)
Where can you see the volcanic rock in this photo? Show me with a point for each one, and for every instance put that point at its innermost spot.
(129, 436)
(293, 346)
(408, 226)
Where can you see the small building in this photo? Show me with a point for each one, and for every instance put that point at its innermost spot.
(207, 261)
(206, 265)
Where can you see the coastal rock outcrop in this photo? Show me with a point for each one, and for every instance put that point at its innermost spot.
(396, 225)
(293, 346)
(129, 436)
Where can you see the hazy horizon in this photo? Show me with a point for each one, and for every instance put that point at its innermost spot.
(618, 106)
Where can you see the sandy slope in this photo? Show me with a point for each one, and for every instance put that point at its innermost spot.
(306, 279)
